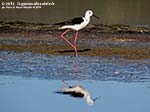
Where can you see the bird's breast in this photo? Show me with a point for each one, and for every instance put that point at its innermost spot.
(84, 24)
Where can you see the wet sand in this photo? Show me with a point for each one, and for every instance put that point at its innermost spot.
(132, 42)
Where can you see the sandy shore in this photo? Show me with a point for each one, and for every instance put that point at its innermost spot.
(125, 41)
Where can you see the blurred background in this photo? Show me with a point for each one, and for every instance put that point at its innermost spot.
(132, 12)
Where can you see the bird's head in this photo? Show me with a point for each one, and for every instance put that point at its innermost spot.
(91, 101)
(90, 13)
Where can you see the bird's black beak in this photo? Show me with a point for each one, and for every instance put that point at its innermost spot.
(96, 16)
(96, 98)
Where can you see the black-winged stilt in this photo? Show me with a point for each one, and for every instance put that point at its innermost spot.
(77, 92)
(75, 24)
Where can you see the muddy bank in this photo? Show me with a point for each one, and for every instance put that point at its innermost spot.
(125, 52)
(18, 26)
(95, 40)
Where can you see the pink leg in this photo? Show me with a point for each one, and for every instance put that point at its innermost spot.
(75, 41)
(66, 84)
(74, 47)
(62, 36)
(76, 53)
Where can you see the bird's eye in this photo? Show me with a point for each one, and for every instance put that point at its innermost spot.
(90, 13)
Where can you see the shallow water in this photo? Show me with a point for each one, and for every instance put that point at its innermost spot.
(28, 82)
(28, 95)
(71, 68)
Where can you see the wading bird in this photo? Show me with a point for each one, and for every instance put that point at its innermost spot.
(77, 92)
(75, 24)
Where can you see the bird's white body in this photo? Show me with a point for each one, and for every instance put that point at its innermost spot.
(80, 89)
(77, 26)
(86, 20)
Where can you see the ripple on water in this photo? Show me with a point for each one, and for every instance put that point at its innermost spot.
(70, 68)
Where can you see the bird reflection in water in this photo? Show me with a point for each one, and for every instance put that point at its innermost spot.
(77, 91)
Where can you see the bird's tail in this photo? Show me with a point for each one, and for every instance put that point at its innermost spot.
(63, 27)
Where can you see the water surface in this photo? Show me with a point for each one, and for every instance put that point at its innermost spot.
(28, 83)
(71, 68)
(28, 95)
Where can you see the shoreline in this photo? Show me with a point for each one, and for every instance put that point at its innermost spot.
(96, 40)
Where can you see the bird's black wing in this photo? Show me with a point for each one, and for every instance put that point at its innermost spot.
(73, 21)
(73, 94)
(77, 95)
(78, 20)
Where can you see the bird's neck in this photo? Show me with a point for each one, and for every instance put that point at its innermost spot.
(87, 18)
(89, 100)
